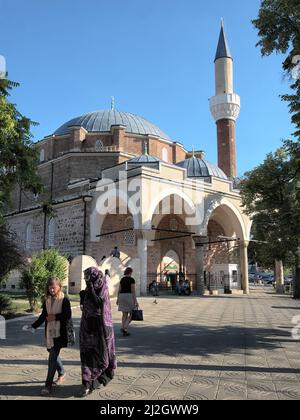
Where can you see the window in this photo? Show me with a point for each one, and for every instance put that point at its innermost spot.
(13, 287)
(173, 224)
(99, 147)
(129, 237)
(42, 155)
(165, 154)
(28, 238)
(72, 284)
(234, 276)
(51, 228)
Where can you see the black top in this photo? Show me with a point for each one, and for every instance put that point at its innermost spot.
(63, 317)
(126, 283)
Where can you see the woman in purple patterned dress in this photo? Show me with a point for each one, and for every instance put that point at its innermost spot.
(97, 342)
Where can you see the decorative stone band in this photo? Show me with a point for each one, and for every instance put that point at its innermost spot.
(225, 106)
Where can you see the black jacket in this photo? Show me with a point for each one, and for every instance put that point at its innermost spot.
(63, 317)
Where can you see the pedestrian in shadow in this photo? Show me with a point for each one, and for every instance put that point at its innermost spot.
(56, 312)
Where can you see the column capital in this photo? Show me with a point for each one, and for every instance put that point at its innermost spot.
(244, 244)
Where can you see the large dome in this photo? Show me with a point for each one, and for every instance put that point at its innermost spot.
(101, 121)
(200, 168)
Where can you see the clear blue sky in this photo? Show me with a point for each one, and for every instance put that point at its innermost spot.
(155, 56)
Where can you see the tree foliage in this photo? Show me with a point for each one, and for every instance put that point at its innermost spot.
(43, 266)
(271, 197)
(11, 257)
(278, 25)
(5, 304)
(18, 157)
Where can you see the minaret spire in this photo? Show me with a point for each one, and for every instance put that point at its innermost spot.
(223, 50)
(225, 106)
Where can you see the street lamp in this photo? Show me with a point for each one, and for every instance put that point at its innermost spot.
(86, 199)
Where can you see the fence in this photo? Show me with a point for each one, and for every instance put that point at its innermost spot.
(223, 283)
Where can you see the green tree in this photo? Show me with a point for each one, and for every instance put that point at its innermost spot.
(18, 156)
(43, 266)
(271, 197)
(10, 256)
(278, 25)
(5, 304)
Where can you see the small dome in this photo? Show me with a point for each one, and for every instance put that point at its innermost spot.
(101, 122)
(143, 159)
(200, 168)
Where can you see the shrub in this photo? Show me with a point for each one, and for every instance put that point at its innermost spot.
(43, 266)
(5, 304)
(10, 256)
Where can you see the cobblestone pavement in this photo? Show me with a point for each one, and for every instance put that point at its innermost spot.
(222, 347)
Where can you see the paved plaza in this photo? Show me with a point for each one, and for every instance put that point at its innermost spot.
(220, 347)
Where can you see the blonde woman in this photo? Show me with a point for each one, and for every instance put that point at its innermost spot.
(56, 311)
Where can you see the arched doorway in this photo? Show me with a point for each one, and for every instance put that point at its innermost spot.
(171, 242)
(226, 263)
(169, 269)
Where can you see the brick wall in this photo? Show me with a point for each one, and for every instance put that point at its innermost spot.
(226, 147)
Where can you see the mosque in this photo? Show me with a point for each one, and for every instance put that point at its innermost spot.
(112, 178)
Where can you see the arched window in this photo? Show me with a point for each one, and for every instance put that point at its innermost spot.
(51, 235)
(173, 224)
(165, 154)
(28, 239)
(129, 237)
(42, 155)
(99, 147)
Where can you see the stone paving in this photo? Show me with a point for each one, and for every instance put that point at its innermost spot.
(221, 347)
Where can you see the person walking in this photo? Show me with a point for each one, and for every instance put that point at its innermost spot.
(115, 253)
(96, 337)
(127, 300)
(107, 276)
(56, 312)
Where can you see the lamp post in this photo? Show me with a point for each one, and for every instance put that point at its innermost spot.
(86, 199)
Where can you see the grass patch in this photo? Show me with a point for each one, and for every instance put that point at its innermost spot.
(15, 295)
(21, 307)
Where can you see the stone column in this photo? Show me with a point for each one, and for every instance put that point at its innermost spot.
(199, 245)
(279, 276)
(142, 248)
(244, 266)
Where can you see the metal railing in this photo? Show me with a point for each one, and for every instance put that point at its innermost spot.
(212, 282)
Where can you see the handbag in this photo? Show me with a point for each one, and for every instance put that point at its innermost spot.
(137, 315)
(70, 332)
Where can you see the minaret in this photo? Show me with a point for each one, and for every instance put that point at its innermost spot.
(225, 107)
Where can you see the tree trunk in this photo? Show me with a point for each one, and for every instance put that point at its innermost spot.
(297, 276)
(279, 277)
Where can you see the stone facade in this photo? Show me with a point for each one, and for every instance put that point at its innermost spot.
(94, 150)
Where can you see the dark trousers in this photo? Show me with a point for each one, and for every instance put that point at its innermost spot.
(54, 364)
